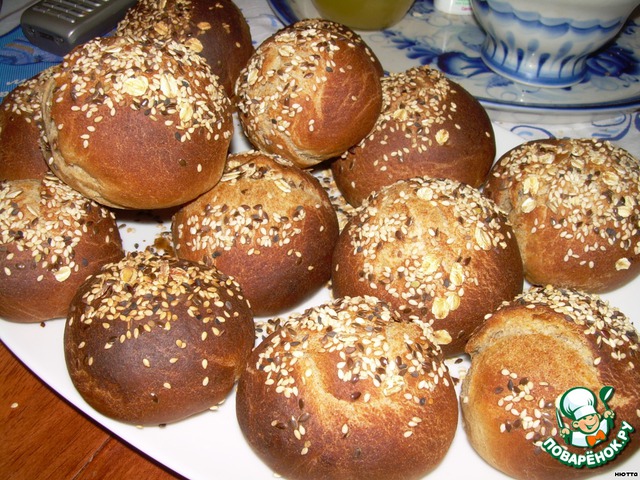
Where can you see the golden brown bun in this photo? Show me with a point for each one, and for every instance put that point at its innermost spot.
(215, 29)
(429, 126)
(268, 224)
(525, 356)
(153, 339)
(575, 208)
(51, 239)
(309, 92)
(436, 250)
(23, 147)
(129, 134)
(348, 390)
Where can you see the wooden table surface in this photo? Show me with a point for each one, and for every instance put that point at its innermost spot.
(42, 436)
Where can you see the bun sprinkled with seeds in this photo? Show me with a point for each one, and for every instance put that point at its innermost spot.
(268, 224)
(137, 124)
(153, 339)
(348, 390)
(436, 250)
(575, 208)
(429, 126)
(526, 356)
(24, 148)
(309, 92)
(51, 239)
(214, 29)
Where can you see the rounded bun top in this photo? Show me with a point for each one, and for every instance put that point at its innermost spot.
(117, 95)
(309, 92)
(428, 126)
(216, 30)
(575, 208)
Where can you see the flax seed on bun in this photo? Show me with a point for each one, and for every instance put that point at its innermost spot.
(51, 239)
(268, 224)
(435, 249)
(348, 389)
(429, 126)
(23, 147)
(137, 124)
(153, 339)
(214, 29)
(575, 208)
(309, 92)
(525, 357)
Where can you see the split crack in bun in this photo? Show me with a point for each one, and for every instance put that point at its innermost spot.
(268, 224)
(139, 125)
(527, 354)
(428, 126)
(309, 92)
(348, 389)
(216, 30)
(575, 208)
(436, 250)
(51, 239)
(24, 149)
(153, 339)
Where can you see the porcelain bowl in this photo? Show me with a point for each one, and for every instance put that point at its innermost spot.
(545, 43)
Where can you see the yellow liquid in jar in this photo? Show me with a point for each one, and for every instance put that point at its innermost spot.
(364, 14)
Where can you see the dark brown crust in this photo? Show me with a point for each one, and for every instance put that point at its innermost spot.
(23, 146)
(307, 422)
(268, 224)
(137, 137)
(434, 249)
(51, 239)
(538, 347)
(575, 208)
(429, 126)
(178, 340)
(215, 29)
(309, 92)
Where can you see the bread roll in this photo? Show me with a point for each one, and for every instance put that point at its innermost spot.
(268, 224)
(137, 125)
(216, 30)
(525, 357)
(51, 239)
(575, 208)
(309, 92)
(435, 249)
(348, 390)
(24, 149)
(429, 126)
(152, 339)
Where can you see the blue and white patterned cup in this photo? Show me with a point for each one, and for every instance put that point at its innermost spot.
(545, 43)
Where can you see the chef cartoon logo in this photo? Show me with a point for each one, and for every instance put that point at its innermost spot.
(582, 425)
(587, 427)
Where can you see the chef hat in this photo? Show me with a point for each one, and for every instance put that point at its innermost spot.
(578, 402)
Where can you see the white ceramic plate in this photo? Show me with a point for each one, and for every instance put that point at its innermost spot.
(211, 445)
(452, 43)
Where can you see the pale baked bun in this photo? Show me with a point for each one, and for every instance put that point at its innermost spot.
(268, 224)
(575, 208)
(526, 356)
(23, 146)
(435, 249)
(153, 339)
(139, 125)
(309, 92)
(428, 126)
(348, 389)
(51, 239)
(215, 29)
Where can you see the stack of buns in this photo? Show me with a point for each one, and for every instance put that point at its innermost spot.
(424, 249)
